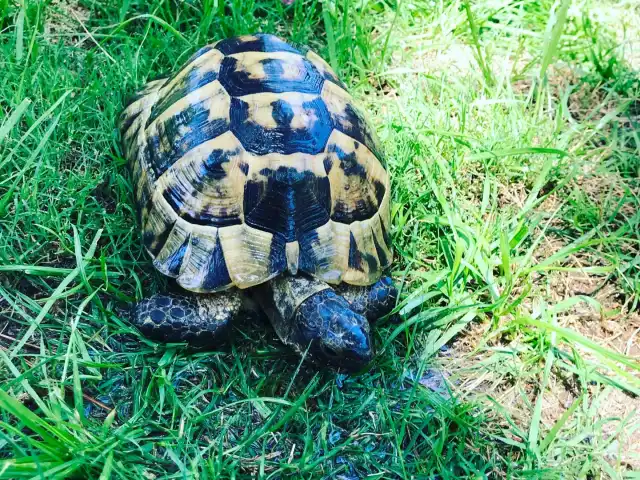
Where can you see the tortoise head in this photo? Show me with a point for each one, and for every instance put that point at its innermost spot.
(334, 334)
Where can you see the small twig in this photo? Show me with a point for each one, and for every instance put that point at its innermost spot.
(30, 345)
(630, 342)
(92, 38)
(90, 399)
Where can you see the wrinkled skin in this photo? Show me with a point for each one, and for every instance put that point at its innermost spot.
(307, 314)
(336, 335)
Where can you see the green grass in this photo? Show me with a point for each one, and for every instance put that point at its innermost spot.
(511, 131)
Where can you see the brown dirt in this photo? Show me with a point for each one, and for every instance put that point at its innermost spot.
(517, 390)
(614, 327)
(63, 22)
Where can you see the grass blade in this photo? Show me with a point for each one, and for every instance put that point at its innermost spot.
(15, 116)
(6, 198)
(551, 435)
(20, 35)
(574, 337)
(555, 27)
(57, 293)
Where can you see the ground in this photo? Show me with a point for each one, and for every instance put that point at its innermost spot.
(511, 134)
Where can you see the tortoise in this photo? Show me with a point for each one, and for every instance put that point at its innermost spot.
(260, 186)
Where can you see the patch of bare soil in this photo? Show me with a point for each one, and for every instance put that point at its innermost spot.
(615, 329)
(63, 22)
(480, 371)
(585, 101)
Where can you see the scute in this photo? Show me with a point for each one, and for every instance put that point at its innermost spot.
(252, 160)
(203, 69)
(324, 68)
(200, 116)
(206, 270)
(286, 123)
(258, 72)
(287, 202)
(357, 179)
(347, 117)
(254, 43)
(205, 187)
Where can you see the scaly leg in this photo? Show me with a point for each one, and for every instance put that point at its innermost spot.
(200, 319)
(373, 301)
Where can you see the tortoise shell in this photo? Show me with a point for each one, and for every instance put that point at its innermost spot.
(252, 160)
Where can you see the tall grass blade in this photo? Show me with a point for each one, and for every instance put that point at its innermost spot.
(14, 118)
(555, 26)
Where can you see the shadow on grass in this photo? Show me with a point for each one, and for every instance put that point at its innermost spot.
(249, 407)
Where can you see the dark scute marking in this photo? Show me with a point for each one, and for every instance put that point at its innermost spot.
(253, 193)
(127, 121)
(132, 143)
(277, 255)
(157, 316)
(238, 82)
(281, 139)
(384, 260)
(244, 167)
(327, 71)
(291, 203)
(137, 96)
(205, 218)
(385, 234)
(213, 166)
(349, 162)
(328, 164)
(174, 261)
(334, 79)
(189, 84)
(195, 117)
(144, 201)
(273, 67)
(282, 113)
(174, 196)
(262, 43)
(133, 98)
(307, 260)
(372, 261)
(149, 237)
(354, 125)
(355, 257)
(363, 209)
(217, 273)
(177, 312)
(380, 191)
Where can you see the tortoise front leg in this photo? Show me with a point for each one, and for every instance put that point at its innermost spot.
(200, 319)
(373, 301)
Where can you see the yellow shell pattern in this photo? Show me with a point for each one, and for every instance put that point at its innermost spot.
(252, 160)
